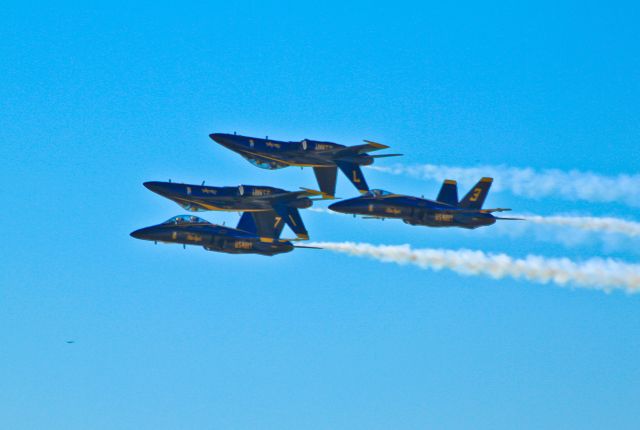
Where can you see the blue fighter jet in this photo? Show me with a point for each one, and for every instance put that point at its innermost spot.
(244, 198)
(325, 157)
(257, 233)
(445, 211)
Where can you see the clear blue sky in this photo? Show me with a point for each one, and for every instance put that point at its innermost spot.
(93, 102)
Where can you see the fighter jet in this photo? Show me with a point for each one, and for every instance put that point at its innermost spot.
(445, 211)
(244, 198)
(324, 157)
(256, 233)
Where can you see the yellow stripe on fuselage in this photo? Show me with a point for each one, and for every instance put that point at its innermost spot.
(216, 208)
(289, 163)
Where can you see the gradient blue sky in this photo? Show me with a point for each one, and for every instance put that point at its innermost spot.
(93, 102)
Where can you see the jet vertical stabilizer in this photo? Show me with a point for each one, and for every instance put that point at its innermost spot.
(476, 197)
(448, 192)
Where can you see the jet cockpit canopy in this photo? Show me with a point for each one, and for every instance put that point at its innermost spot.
(377, 193)
(186, 219)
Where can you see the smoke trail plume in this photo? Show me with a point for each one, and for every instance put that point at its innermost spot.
(595, 273)
(595, 224)
(527, 182)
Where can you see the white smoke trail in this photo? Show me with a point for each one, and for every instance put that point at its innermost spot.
(596, 273)
(527, 182)
(595, 224)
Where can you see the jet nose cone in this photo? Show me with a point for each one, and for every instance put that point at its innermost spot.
(342, 207)
(217, 137)
(143, 233)
(163, 188)
(227, 140)
(137, 234)
(152, 186)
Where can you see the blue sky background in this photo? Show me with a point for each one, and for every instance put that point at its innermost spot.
(93, 102)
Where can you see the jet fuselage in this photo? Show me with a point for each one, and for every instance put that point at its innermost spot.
(414, 211)
(214, 237)
(244, 198)
(275, 154)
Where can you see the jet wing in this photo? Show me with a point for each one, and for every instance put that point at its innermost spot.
(368, 146)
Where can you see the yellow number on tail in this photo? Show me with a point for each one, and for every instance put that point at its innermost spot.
(356, 180)
(475, 195)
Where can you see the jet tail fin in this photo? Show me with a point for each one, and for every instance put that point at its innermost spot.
(476, 197)
(448, 192)
(291, 216)
(326, 177)
(264, 224)
(354, 173)
(247, 223)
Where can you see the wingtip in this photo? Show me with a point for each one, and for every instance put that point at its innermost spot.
(325, 196)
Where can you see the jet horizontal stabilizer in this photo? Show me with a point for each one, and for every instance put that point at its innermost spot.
(296, 239)
(375, 145)
(472, 211)
(322, 195)
(488, 211)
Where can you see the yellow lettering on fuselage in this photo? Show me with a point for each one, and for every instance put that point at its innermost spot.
(273, 145)
(323, 147)
(242, 244)
(392, 211)
(444, 217)
(209, 191)
(194, 237)
(261, 192)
